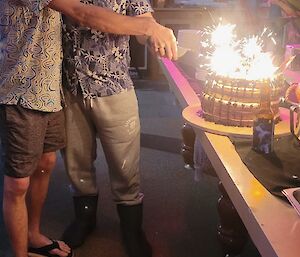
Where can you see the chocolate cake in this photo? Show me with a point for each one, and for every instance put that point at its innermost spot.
(234, 102)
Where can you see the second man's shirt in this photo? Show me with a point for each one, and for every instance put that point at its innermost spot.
(96, 64)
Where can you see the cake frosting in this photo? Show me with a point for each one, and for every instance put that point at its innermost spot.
(234, 102)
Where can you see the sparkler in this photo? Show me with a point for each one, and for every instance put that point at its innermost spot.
(235, 58)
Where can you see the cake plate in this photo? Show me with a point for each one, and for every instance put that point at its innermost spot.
(190, 114)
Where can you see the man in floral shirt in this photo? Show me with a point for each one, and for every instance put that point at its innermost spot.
(31, 118)
(101, 102)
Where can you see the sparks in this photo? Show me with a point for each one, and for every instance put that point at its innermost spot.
(238, 58)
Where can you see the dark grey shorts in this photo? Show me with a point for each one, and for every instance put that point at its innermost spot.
(27, 134)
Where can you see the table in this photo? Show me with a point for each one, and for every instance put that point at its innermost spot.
(272, 224)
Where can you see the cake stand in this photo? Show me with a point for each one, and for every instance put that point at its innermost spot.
(191, 115)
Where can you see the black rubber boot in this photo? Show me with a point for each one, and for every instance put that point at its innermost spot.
(131, 227)
(84, 223)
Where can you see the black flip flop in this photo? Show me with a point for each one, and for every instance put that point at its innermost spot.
(45, 250)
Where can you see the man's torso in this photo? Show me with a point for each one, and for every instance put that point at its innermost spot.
(96, 64)
(30, 55)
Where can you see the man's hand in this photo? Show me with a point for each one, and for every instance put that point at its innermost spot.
(160, 40)
(163, 42)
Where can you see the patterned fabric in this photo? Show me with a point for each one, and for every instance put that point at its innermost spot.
(97, 63)
(30, 55)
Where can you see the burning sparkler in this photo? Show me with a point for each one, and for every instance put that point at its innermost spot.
(236, 58)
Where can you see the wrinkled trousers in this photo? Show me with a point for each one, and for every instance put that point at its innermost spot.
(115, 120)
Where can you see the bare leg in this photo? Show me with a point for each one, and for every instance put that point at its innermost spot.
(36, 196)
(15, 213)
(37, 193)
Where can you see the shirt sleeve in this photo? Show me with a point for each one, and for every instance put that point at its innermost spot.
(138, 7)
(35, 6)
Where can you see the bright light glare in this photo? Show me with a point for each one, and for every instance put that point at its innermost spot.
(261, 67)
(223, 35)
(251, 47)
(232, 57)
(240, 59)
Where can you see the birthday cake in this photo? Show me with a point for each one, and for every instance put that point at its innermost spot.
(234, 102)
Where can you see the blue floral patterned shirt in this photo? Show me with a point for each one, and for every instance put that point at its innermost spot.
(96, 64)
(30, 55)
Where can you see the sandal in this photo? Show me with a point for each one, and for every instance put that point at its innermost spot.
(45, 251)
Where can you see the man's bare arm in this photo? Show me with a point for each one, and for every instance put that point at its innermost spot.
(103, 19)
(167, 49)
(106, 20)
(142, 39)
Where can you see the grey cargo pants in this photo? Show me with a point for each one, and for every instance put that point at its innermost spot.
(115, 119)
